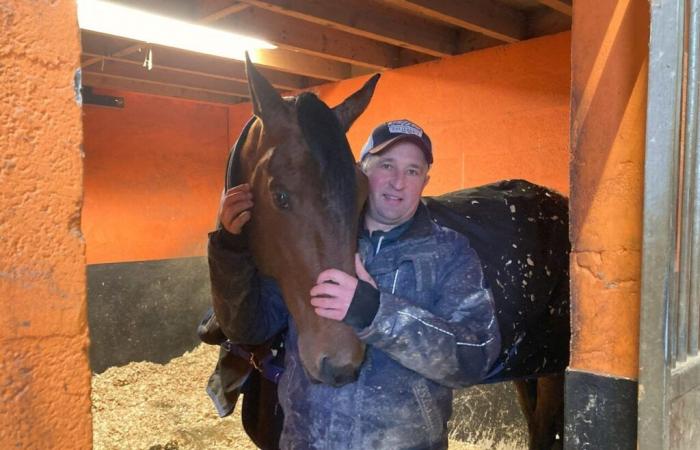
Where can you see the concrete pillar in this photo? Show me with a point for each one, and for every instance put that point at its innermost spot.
(608, 113)
(44, 369)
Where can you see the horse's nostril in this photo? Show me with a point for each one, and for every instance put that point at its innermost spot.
(337, 375)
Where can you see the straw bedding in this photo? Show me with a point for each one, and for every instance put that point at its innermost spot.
(164, 407)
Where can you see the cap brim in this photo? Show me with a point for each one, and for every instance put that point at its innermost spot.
(404, 137)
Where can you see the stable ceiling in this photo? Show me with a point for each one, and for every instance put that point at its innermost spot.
(317, 41)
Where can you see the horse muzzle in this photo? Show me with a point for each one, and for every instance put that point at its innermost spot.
(336, 375)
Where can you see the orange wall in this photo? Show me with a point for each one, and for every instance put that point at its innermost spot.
(609, 66)
(153, 176)
(154, 169)
(44, 371)
(492, 114)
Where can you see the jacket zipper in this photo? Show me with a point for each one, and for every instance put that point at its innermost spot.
(396, 277)
(379, 245)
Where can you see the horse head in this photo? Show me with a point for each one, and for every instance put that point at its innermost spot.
(308, 195)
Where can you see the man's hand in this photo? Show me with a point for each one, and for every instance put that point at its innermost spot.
(234, 208)
(334, 290)
(362, 273)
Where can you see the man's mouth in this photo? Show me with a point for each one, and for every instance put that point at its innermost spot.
(392, 198)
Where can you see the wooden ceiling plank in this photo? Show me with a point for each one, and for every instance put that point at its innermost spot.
(117, 69)
(195, 63)
(177, 9)
(123, 52)
(104, 81)
(207, 16)
(238, 75)
(544, 21)
(370, 20)
(487, 17)
(470, 41)
(301, 64)
(563, 6)
(322, 53)
(313, 39)
(297, 67)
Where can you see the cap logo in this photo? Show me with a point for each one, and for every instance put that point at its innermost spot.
(404, 127)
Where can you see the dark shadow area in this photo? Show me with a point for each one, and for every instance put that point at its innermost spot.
(145, 311)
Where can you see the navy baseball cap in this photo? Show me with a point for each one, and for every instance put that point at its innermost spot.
(389, 133)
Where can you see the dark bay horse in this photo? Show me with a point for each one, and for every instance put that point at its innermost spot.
(309, 195)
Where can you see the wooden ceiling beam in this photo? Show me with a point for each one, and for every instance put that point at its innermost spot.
(470, 41)
(209, 12)
(294, 64)
(177, 9)
(145, 87)
(114, 66)
(563, 6)
(304, 50)
(281, 60)
(301, 64)
(544, 21)
(158, 76)
(97, 46)
(487, 17)
(370, 20)
(318, 40)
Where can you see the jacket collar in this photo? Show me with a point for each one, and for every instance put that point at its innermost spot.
(403, 247)
(421, 225)
(417, 226)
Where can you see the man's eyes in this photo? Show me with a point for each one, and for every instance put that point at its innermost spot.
(411, 172)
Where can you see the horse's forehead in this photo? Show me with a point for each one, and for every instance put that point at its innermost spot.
(296, 169)
(285, 157)
(309, 153)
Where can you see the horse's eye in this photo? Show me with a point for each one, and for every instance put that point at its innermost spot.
(281, 199)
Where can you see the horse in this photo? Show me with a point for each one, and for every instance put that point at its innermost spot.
(309, 195)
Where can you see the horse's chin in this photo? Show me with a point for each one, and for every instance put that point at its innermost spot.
(333, 369)
(333, 376)
(332, 355)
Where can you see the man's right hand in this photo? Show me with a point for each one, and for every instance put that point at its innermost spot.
(234, 208)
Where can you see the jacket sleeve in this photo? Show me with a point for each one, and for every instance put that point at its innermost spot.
(248, 306)
(456, 342)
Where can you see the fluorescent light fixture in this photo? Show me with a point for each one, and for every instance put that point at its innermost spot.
(111, 18)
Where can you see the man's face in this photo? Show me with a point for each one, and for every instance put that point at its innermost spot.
(397, 177)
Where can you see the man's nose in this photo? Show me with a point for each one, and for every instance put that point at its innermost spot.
(398, 181)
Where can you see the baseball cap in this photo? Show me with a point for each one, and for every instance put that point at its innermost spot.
(388, 133)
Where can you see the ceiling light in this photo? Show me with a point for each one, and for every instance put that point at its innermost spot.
(110, 18)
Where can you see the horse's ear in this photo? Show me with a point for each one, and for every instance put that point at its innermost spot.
(267, 103)
(355, 105)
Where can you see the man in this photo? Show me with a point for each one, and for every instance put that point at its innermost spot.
(419, 303)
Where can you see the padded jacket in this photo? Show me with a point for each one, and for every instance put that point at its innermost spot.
(434, 330)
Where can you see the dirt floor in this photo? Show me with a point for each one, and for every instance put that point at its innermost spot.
(164, 407)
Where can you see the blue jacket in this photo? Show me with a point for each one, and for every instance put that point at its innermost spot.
(435, 330)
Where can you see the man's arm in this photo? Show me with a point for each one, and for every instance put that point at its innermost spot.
(453, 344)
(249, 308)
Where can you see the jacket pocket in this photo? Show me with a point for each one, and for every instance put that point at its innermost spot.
(424, 271)
(429, 410)
(413, 280)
